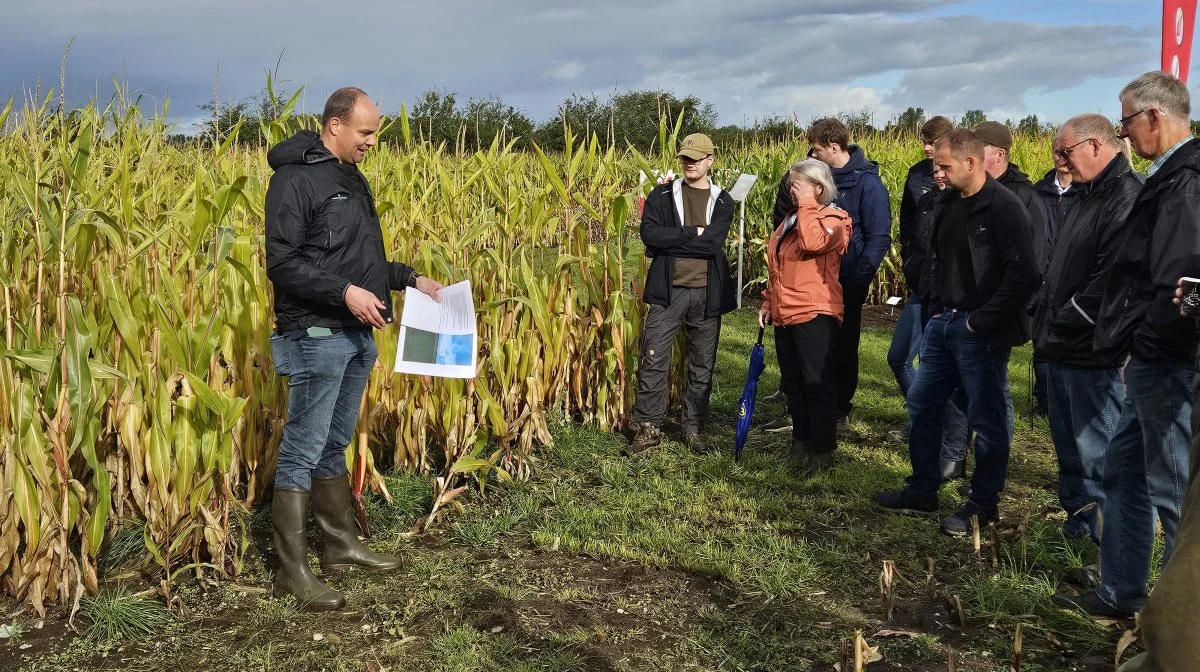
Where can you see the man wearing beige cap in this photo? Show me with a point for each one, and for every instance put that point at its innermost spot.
(684, 226)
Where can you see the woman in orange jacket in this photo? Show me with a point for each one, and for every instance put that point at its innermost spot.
(803, 301)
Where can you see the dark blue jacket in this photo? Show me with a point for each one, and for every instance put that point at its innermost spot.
(862, 194)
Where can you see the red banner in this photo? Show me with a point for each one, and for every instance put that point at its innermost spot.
(1179, 18)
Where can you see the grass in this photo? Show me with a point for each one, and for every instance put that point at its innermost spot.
(117, 614)
(663, 561)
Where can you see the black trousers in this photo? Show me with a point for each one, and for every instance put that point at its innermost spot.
(845, 349)
(658, 335)
(806, 376)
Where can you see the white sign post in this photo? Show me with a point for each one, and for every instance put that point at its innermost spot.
(740, 190)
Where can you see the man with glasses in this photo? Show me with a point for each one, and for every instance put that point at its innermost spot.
(1146, 468)
(684, 226)
(1085, 391)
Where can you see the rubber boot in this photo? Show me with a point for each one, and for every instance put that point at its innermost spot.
(333, 509)
(953, 469)
(289, 512)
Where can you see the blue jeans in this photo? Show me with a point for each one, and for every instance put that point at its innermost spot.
(327, 376)
(1145, 472)
(952, 356)
(1083, 407)
(906, 344)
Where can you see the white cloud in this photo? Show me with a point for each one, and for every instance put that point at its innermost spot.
(567, 71)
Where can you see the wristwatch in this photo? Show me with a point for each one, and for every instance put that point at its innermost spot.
(412, 279)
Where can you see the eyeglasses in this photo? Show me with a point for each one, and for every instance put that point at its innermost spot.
(1065, 152)
(1124, 121)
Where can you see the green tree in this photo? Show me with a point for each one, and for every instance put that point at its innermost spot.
(910, 120)
(973, 118)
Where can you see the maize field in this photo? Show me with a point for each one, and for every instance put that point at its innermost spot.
(136, 388)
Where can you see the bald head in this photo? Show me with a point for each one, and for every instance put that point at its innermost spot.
(349, 124)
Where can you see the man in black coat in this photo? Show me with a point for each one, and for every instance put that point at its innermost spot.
(1147, 466)
(332, 283)
(684, 226)
(981, 278)
(998, 139)
(1085, 390)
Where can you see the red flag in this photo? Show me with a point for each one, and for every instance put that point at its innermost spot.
(1179, 18)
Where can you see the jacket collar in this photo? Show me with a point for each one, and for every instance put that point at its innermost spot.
(983, 198)
(714, 191)
(1188, 153)
(1115, 170)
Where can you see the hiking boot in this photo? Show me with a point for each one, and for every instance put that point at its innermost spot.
(697, 445)
(843, 424)
(1091, 604)
(908, 502)
(959, 524)
(333, 511)
(646, 436)
(1085, 578)
(953, 469)
(781, 424)
(817, 463)
(289, 514)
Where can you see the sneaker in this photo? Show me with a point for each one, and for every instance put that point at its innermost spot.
(959, 524)
(1085, 578)
(1091, 604)
(778, 396)
(696, 444)
(907, 502)
(646, 436)
(781, 424)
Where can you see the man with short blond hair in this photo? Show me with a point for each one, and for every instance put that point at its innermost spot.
(1085, 390)
(1137, 323)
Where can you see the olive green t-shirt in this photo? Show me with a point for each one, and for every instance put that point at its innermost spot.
(692, 272)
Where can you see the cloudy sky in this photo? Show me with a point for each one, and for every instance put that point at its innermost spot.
(750, 58)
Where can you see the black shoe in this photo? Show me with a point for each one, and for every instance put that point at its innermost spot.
(781, 424)
(959, 524)
(798, 451)
(646, 436)
(953, 469)
(1085, 578)
(817, 463)
(1091, 604)
(907, 502)
(696, 444)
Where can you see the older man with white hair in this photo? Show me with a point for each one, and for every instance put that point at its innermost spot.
(1146, 468)
(1084, 387)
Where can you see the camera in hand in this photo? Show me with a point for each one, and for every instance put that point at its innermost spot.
(1191, 297)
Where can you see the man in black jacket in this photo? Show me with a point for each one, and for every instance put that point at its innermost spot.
(981, 278)
(998, 139)
(684, 226)
(906, 340)
(1147, 466)
(1085, 390)
(332, 284)
(1055, 191)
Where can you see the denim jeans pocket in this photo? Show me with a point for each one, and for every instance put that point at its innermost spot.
(281, 354)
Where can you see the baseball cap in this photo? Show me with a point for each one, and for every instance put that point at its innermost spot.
(696, 146)
(994, 133)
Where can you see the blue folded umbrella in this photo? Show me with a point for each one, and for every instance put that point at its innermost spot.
(746, 405)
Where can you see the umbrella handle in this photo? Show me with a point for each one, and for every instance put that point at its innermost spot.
(760, 335)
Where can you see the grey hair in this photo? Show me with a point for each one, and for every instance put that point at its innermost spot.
(1096, 126)
(1160, 90)
(818, 173)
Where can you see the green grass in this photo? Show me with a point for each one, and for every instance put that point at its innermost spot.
(669, 561)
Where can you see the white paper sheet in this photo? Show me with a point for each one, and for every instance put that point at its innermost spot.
(438, 339)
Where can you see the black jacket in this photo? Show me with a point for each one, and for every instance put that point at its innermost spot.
(861, 193)
(323, 235)
(1002, 259)
(1039, 220)
(915, 242)
(917, 183)
(1064, 324)
(666, 239)
(1057, 205)
(1161, 244)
